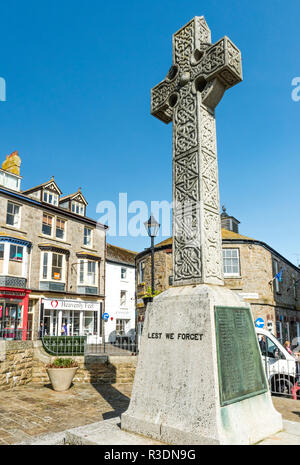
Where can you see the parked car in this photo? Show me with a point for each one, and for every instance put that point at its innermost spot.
(282, 368)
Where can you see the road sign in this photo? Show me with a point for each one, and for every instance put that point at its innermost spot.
(105, 316)
(259, 323)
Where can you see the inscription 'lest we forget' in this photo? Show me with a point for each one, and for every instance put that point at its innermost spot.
(173, 336)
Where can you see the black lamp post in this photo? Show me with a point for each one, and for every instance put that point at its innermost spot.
(152, 227)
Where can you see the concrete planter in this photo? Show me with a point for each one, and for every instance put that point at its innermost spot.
(61, 378)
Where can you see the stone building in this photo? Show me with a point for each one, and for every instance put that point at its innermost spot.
(249, 266)
(52, 260)
(120, 294)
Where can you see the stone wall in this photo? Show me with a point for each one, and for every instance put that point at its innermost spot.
(16, 362)
(95, 369)
(25, 362)
(255, 282)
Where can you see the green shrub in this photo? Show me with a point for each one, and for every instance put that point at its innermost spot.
(60, 362)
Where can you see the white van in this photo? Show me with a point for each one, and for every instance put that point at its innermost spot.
(282, 368)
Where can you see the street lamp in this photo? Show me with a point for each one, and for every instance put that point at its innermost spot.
(152, 227)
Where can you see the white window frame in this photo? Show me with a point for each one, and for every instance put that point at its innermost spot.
(53, 225)
(6, 259)
(2, 244)
(64, 230)
(121, 323)
(84, 275)
(49, 267)
(77, 208)
(17, 223)
(90, 244)
(123, 300)
(231, 274)
(91, 272)
(46, 197)
(123, 268)
(17, 247)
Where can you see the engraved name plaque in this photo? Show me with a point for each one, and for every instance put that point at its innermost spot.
(241, 373)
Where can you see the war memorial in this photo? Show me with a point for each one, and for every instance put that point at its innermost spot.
(199, 378)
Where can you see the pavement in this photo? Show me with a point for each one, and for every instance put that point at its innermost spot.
(35, 414)
(30, 411)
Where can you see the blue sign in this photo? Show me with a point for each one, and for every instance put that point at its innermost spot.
(105, 316)
(259, 323)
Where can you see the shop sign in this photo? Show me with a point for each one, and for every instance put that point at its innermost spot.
(65, 304)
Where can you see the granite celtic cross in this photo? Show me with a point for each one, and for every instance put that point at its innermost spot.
(194, 85)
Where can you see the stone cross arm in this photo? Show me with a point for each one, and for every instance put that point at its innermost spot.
(211, 68)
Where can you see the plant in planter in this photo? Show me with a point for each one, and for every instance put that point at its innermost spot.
(61, 373)
(148, 296)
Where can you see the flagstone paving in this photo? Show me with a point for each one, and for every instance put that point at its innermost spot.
(30, 411)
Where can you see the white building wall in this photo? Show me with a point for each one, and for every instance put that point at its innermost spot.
(114, 286)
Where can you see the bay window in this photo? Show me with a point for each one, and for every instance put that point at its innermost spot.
(57, 261)
(16, 253)
(91, 275)
(1, 251)
(14, 259)
(81, 272)
(45, 265)
(87, 275)
(52, 266)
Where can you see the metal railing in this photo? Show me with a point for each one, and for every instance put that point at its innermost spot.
(121, 346)
(15, 334)
(283, 376)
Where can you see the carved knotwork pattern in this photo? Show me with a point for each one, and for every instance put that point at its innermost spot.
(185, 121)
(202, 33)
(184, 46)
(187, 250)
(213, 59)
(196, 258)
(187, 178)
(210, 181)
(161, 93)
(213, 246)
(208, 131)
(234, 57)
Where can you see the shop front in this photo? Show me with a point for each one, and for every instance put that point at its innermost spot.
(65, 317)
(14, 314)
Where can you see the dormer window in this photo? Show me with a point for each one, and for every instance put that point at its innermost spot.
(77, 208)
(50, 197)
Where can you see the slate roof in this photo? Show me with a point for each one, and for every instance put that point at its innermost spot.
(120, 255)
(225, 235)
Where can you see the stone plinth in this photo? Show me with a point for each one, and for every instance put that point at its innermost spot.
(176, 393)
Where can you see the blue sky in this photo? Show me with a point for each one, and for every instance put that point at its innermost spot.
(78, 78)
